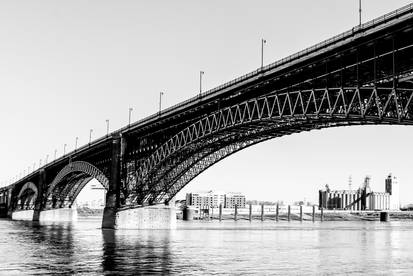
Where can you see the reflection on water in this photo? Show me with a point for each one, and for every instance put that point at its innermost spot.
(207, 248)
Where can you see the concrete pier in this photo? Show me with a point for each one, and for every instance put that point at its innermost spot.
(236, 212)
(148, 217)
(262, 212)
(53, 215)
(289, 213)
(188, 213)
(384, 216)
(58, 215)
(23, 215)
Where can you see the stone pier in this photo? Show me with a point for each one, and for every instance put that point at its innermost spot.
(58, 215)
(22, 215)
(53, 215)
(148, 217)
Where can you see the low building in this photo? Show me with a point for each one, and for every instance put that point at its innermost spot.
(232, 199)
(215, 199)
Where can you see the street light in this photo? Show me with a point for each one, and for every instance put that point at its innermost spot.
(77, 138)
(55, 152)
(64, 149)
(47, 157)
(359, 12)
(107, 127)
(130, 112)
(263, 41)
(90, 135)
(160, 101)
(201, 73)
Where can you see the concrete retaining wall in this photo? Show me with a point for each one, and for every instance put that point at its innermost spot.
(22, 215)
(61, 214)
(148, 217)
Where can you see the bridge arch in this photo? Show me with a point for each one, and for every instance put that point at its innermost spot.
(68, 183)
(27, 196)
(217, 135)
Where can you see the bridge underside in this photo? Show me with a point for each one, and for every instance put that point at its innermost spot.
(227, 131)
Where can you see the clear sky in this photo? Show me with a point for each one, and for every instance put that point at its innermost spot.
(67, 66)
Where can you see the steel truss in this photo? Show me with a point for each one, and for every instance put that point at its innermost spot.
(215, 136)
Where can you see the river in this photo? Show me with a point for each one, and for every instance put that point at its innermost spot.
(212, 248)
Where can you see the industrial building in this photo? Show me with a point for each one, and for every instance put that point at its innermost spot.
(362, 198)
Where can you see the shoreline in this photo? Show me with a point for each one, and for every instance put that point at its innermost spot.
(328, 215)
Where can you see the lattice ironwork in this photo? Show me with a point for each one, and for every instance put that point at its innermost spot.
(362, 104)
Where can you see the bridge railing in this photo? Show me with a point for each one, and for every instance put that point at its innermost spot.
(377, 21)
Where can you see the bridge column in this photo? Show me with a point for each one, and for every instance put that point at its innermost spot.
(113, 194)
(142, 217)
(9, 203)
(38, 204)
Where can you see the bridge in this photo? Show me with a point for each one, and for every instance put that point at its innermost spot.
(361, 77)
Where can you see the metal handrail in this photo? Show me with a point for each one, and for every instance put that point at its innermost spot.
(306, 51)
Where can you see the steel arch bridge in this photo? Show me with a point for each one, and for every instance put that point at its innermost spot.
(362, 76)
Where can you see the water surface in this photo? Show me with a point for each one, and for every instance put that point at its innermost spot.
(199, 248)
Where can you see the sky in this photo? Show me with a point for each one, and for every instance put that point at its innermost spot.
(67, 66)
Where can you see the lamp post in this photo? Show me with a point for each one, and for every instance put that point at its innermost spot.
(55, 153)
(201, 73)
(107, 127)
(130, 113)
(263, 41)
(359, 12)
(64, 149)
(90, 135)
(160, 101)
(47, 157)
(77, 138)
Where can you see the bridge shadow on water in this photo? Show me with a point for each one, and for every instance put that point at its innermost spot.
(84, 248)
(147, 253)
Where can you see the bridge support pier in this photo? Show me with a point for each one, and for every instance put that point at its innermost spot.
(39, 202)
(52, 215)
(113, 194)
(58, 215)
(148, 217)
(22, 215)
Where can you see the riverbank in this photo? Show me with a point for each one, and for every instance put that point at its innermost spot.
(87, 212)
